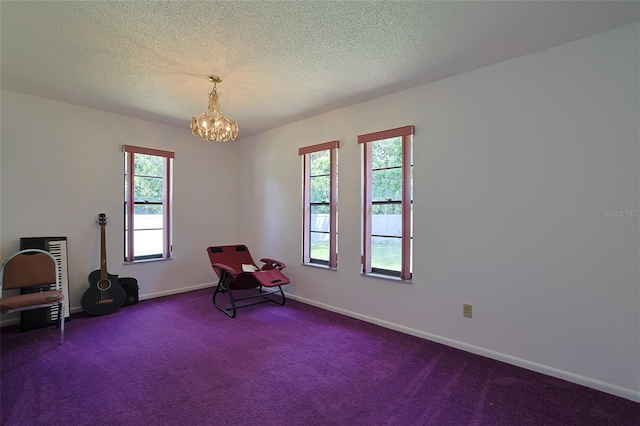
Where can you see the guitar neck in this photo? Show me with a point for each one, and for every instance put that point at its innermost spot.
(103, 254)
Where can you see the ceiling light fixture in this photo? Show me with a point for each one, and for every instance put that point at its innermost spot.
(213, 125)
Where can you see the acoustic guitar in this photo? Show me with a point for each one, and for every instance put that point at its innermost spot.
(104, 294)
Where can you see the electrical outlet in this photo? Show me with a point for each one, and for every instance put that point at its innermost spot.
(467, 310)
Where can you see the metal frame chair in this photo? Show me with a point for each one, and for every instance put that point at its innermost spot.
(237, 271)
(28, 268)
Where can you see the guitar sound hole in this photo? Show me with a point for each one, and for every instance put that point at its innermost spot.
(104, 285)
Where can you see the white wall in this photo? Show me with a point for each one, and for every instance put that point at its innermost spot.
(63, 164)
(516, 165)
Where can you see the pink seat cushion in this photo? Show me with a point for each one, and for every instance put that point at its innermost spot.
(31, 299)
(268, 278)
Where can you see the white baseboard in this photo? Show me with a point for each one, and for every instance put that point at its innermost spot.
(177, 291)
(529, 365)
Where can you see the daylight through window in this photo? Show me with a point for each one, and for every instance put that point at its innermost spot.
(147, 203)
(320, 231)
(388, 202)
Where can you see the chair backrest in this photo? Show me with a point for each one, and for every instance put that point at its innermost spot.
(232, 256)
(28, 268)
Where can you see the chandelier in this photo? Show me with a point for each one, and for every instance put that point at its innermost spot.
(213, 125)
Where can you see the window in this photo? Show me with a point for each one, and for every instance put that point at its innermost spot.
(388, 202)
(147, 203)
(320, 227)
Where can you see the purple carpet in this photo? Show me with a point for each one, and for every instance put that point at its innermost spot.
(178, 361)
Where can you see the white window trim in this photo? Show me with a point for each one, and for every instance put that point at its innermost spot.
(406, 133)
(306, 152)
(168, 157)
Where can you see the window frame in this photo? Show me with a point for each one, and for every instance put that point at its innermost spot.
(306, 152)
(406, 133)
(167, 203)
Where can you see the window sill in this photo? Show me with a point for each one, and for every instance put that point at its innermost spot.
(387, 277)
(316, 265)
(159, 259)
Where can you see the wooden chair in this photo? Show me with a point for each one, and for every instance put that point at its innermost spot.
(28, 268)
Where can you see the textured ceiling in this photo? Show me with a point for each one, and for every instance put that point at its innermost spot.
(280, 61)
